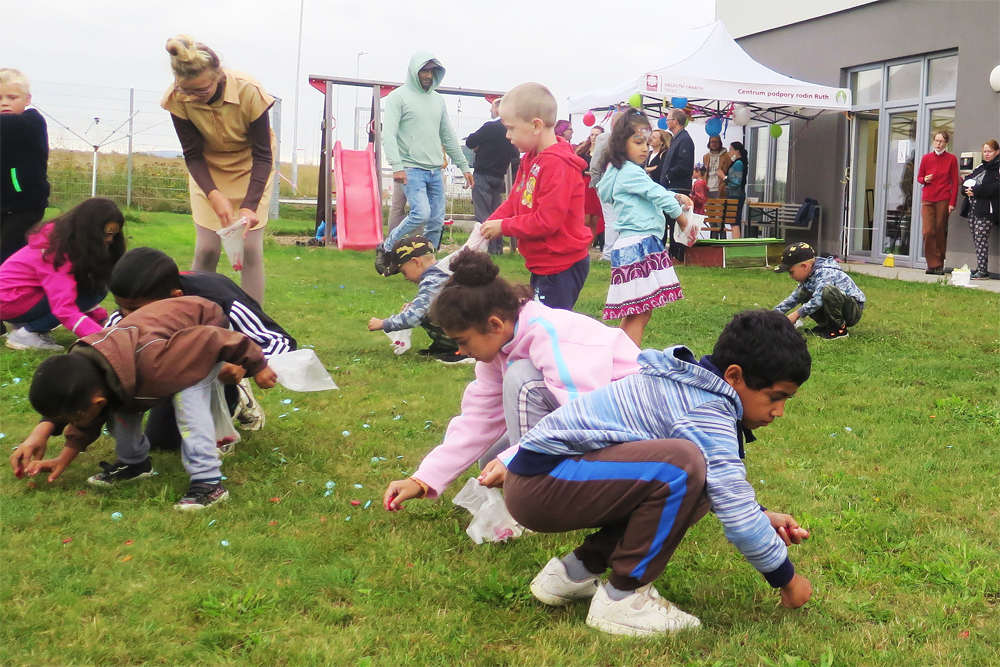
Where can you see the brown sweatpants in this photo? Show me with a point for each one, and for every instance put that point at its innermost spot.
(643, 496)
(934, 219)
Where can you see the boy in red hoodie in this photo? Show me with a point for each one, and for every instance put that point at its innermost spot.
(544, 211)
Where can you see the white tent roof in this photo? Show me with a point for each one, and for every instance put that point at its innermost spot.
(708, 67)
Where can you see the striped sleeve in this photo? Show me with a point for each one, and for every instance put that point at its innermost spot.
(113, 319)
(246, 322)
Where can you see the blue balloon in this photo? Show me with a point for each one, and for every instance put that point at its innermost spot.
(662, 123)
(678, 102)
(713, 127)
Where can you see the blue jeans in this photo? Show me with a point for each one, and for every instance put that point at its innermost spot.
(39, 318)
(424, 192)
(561, 290)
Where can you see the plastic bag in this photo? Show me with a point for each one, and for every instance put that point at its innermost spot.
(301, 370)
(400, 340)
(689, 235)
(491, 522)
(225, 433)
(232, 242)
(476, 243)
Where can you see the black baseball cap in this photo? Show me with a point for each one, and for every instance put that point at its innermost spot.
(793, 254)
(406, 249)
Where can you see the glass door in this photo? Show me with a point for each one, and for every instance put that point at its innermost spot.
(901, 154)
(862, 228)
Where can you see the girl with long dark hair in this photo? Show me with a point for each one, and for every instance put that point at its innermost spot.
(736, 181)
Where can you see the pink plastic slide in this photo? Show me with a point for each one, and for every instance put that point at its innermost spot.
(359, 209)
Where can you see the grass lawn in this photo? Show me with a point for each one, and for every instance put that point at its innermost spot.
(888, 455)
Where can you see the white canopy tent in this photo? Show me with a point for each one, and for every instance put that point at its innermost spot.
(710, 70)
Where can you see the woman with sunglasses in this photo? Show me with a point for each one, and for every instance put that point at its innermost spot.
(220, 116)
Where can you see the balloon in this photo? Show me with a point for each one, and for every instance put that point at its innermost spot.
(589, 119)
(635, 100)
(662, 123)
(678, 102)
(775, 131)
(713, 127)
(742, 115)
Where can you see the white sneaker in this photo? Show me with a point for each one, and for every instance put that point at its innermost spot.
(22, 339)
(642, 614)
(249, 414)
(553, 585)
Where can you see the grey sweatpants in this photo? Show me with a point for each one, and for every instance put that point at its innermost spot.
(526, 400)
(194, 421)
(487, 195)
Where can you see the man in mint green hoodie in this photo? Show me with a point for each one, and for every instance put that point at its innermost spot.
(414, 127)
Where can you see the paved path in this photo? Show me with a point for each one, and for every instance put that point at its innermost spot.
(913, 275)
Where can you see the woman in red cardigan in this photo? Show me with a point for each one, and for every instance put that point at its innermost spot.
(938, 174)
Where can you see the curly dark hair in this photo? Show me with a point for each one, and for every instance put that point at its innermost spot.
(77, 237)
(765, 344)
(621, 131)
(475, 292)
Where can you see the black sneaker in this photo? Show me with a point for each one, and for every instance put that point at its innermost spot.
(381, 260)
(456, 358)
(117, 472)
(201, 495)
(980, 275)
(935, 272)
(831, 334)
(434, 350)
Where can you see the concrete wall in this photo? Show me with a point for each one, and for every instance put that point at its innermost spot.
(822, 49)
(744, 18)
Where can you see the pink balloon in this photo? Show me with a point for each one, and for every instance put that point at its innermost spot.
(589, 119)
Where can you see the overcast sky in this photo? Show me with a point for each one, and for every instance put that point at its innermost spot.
(571, 47)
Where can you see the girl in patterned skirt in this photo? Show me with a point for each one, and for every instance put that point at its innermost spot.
(642, 276)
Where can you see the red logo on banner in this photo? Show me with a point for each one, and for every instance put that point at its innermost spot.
(652, 82)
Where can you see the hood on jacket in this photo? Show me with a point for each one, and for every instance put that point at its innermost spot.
(417, 62)
(827, 263)
(678, 363)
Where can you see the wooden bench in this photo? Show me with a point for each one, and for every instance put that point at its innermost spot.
(718, 214)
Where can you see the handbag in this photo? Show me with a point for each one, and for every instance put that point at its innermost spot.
(964, 212)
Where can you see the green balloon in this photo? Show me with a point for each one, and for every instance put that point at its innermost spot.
(775, 131)
(635, 100)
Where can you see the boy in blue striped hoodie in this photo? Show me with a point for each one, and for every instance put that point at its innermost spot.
(644, 458)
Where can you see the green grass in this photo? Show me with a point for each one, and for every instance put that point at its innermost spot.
(904, 557)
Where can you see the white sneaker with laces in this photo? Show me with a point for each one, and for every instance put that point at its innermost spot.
(553, 585)
(249, 414)
(642, 614)
(22, 339)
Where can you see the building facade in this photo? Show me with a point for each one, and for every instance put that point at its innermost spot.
(913, 67)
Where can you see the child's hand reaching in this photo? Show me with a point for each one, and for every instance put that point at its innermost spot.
(491, 229)
(787, 528)
(266, 379)
(493, 475)
(32, 449)
(399, 492)
(54, 466)
(374, 324)
(231, 373)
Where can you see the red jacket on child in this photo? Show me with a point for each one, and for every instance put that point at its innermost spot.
(944, 185)
(544, 211)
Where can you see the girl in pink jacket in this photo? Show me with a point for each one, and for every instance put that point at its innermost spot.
(61, 276)
(531, 360)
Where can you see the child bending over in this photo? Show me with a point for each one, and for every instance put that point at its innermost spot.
(414, 257)
(545, 209)
(532, 359)
(145, 275)
(645, 458)
(828, 294)
(642, 275)
(171, 348)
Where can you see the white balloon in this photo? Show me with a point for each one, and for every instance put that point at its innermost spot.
(742, 115)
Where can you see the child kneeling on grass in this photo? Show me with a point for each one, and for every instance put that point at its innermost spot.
(174, 347)
(146, 275)
(532, 359)
(414, 257)
(644, 458)
(827, 293)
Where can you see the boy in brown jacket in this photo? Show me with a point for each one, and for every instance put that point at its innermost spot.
(175, 346)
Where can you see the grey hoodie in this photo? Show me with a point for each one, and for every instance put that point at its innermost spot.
(415, 124)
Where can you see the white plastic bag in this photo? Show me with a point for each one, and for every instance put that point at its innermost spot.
(225, 433)
(232, 242)
(400, 340)
(476, 242)
(491, 522)
(301, 370)
(689, 235)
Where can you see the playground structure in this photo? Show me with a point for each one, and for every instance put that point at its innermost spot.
(357, 173)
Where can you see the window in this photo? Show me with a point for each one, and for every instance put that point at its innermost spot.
(866, 87)
(942, 76)
(904, 81)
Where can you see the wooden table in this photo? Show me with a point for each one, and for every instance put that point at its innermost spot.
(764, 215)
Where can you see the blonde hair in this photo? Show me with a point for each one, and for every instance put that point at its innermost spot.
(189, 58)
(530, 101)
(13, 77)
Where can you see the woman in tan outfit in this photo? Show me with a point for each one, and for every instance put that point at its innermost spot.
(220, 116)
